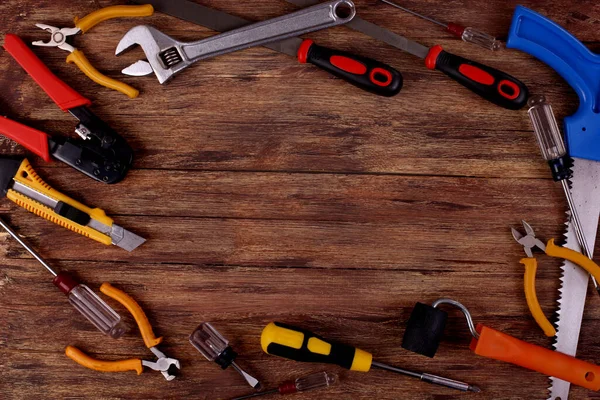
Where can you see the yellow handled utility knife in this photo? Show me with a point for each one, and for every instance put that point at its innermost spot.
(22, 185)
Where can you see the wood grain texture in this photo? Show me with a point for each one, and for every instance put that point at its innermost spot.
(269, 190)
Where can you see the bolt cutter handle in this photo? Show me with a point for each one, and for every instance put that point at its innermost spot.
(138, 314)
(83, 359)
(89, 21)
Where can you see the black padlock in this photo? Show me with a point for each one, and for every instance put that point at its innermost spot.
(424, 329)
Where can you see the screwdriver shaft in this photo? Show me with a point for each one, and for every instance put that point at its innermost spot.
(438, 380)
(415, 13)
(577, 225)
(249, 396)
(26, 246)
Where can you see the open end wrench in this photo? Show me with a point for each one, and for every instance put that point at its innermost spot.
(167, 56)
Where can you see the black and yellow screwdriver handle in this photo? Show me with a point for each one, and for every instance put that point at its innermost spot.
(301, 345)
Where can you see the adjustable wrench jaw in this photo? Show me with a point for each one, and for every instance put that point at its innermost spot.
(164, 54)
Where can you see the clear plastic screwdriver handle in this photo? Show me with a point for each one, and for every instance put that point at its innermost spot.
(546, 129)
(315, 381)
(481, 39)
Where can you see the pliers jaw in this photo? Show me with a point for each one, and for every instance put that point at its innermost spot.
(165, 365)
(58, 37)
(528, 241)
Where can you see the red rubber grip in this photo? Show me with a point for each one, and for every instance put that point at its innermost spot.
(62, 94)
(34, 140)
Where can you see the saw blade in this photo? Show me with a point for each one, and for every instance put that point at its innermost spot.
(585, 189)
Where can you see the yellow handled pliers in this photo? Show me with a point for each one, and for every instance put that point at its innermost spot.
(165, 365)
(530, 242)
(59, 37)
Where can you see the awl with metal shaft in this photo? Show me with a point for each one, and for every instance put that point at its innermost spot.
(493, 85)
(167, 56)
(363, 72)
(80, 296)
(21, 184)
(301, 345)
(467, 34)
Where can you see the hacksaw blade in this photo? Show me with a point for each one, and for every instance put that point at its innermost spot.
(585, 189)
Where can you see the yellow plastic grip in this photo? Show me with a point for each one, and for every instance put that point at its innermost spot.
(531, 296)
(89, 21)
(575, 257)
(134, 308)
(78, 58)
(103, 366)
(27, 176)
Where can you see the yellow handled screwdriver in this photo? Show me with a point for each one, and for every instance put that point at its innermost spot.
(301, 345)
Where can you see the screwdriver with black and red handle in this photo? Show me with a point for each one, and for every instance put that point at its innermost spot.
(301, 345)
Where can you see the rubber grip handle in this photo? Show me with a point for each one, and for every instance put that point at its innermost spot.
(134, 308)
(500, 346)
(89, 21)
(493, 85)
(362, 72)
(575, 257)
(78, 58)
(32, 139)
(531, 297)
(103, 366)
(61, 93)
(27, 176)
(301, 345)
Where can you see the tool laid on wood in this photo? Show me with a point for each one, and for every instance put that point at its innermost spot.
(102, 154)
(529, 243)
(365, 73)
(166, 366)
(425, 329)
(554, 152)
(21, 184)
(59, 37)
(542, 38)
(208, 341)
(306, 383)
(167, 56)
(493, 85)
(80, 296)
(467, 34)
(301, 345)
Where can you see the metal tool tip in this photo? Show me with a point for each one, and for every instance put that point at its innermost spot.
(474, 389)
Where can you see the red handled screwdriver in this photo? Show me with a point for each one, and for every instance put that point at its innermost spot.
(467, 34)
(310, 382)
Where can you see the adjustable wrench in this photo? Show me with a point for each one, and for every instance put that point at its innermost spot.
(167, 56)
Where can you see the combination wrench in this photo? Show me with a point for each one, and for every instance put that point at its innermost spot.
(167, 56)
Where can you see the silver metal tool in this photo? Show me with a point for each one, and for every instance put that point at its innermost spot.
(167, 56)
(377, 32)
(119, 236)
(585, 189)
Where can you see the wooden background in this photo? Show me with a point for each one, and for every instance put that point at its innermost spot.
(269, 190)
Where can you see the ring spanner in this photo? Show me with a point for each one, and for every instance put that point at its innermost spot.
(167, 56)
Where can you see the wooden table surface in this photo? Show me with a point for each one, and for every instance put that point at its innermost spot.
(269, 190)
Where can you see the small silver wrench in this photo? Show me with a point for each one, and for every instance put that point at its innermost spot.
(167, 56)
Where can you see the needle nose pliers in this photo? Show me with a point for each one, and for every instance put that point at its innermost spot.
(529, 243)
(165, 365)
(59, 38)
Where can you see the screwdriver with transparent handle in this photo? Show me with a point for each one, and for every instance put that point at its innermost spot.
(468, 34)
(208, 341)
(303, 384)
(80, 296)
(554, 152)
